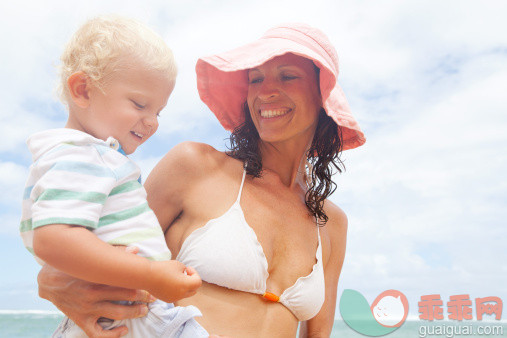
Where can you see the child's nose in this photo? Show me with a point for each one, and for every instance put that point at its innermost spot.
(151, 121)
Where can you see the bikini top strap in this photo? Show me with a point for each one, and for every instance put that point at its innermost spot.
(318, 227)
(241, 187)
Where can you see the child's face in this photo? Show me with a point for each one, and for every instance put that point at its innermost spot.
(128, 107)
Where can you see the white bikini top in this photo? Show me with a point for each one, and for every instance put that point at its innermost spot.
(226, 252)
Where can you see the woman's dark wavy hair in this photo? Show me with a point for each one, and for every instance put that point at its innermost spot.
(323, 157)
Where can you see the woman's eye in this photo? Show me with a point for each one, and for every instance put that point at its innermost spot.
(255, 80)
(289, 77)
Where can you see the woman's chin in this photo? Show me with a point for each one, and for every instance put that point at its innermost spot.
(271, 137)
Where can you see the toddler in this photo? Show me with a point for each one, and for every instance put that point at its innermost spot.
(83, 195)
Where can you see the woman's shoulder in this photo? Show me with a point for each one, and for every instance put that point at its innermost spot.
(190, 150)
(335, 235)
(337, 217)
(194, 158)
(337, 222)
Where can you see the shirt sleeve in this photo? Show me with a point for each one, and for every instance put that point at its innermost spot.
(72, 185)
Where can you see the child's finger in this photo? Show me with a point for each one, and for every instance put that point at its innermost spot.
(193, 279)
(132, 249)
(190, 271)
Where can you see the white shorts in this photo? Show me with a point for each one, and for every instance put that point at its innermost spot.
(162, 320)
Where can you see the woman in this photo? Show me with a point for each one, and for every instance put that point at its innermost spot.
(254, 222)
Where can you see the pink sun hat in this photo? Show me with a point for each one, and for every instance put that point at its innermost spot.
(222, 79)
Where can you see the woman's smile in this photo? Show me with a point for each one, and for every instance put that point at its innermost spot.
(272, 113)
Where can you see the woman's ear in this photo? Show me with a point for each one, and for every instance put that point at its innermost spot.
(79, 87)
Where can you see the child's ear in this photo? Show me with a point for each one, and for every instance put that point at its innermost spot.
(79, 87)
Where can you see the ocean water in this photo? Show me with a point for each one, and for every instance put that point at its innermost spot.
(32, 324)
(28, 323)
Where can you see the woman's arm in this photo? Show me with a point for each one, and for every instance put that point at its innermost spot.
(336, 228)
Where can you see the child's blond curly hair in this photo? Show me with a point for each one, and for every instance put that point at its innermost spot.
(101, 44)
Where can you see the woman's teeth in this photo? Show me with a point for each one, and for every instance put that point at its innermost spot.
(138, 135)
(274, 113)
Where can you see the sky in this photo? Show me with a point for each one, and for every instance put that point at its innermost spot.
(425, 196)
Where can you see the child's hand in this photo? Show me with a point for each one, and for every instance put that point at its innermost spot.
(171, 280)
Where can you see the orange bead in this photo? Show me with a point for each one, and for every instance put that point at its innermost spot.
(271, 297)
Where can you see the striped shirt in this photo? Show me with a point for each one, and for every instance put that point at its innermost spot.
(77, 179)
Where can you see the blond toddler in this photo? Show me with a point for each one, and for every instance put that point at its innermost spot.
(84, 195)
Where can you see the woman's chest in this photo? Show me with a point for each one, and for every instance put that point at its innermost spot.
(264, 228)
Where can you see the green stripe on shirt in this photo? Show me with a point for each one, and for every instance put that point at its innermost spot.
(25, 225)
(125, 187)
(60, 194)
(137, 236)
(123, 215)
(165, 256)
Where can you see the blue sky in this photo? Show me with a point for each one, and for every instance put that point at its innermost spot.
(426, 80)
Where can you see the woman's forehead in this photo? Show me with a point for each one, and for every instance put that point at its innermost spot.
(286, 60)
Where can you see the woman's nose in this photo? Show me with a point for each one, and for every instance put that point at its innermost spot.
(268, 90)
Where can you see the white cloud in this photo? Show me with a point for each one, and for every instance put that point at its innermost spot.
(12, 180)
(425, 196)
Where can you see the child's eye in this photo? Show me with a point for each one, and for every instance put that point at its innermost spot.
(138, 105)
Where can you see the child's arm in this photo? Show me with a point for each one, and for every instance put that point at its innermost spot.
(78, 252)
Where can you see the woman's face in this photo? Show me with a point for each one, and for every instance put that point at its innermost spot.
(284, 98)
